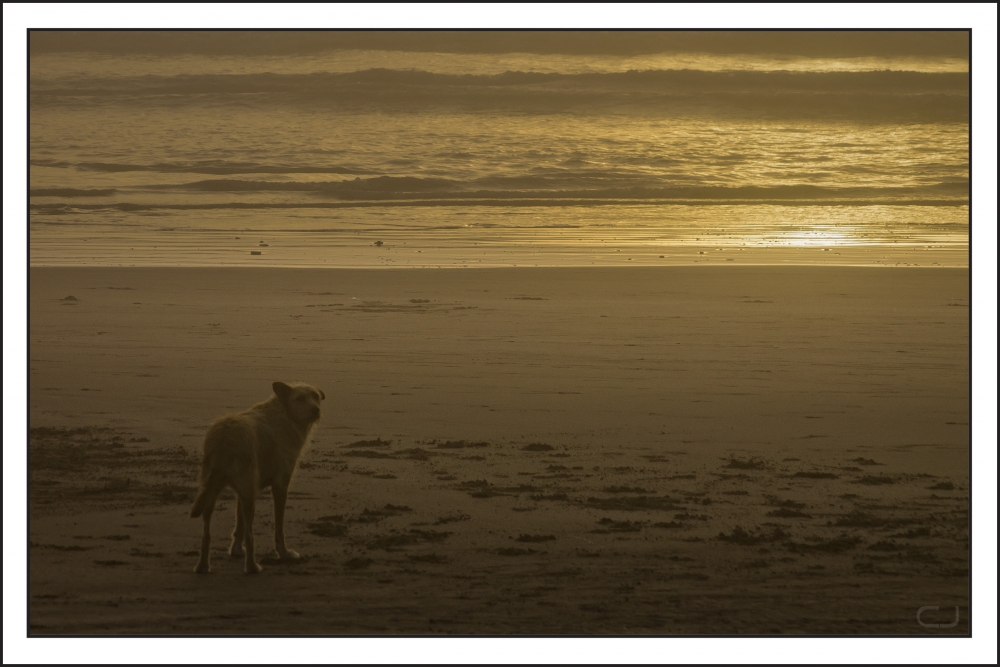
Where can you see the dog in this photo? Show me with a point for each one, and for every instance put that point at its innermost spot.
(251, 451)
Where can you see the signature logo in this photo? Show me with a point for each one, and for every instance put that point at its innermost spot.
(936, 625)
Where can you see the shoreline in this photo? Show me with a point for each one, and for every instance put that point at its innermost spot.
(368, 257)
(491, 267)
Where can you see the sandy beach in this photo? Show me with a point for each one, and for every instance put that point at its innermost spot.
(581, 451)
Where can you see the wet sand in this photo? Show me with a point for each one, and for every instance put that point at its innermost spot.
(648, 450)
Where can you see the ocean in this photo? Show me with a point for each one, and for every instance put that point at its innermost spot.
(371, 158)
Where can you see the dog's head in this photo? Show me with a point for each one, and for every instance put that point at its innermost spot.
(301, 401)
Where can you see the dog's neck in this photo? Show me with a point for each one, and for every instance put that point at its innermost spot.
(302, 428)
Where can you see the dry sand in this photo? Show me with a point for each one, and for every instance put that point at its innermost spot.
(511, 451)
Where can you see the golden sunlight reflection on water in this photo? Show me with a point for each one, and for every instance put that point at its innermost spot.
(506, 236)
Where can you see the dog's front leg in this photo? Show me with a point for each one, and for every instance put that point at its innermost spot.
(280, 494)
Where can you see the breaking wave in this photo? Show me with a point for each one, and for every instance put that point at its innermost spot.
(878, 95)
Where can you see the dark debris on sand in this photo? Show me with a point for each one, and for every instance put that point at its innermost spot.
(750, 538)
(377, 442)
(535, 538)
(107, 469)
(634, 503)
(611, 526)
(834, 545)
(788, 513)
(460, 444)
(873, 480)
(395, 541)
(368, 454)
(752, 463)
(513, 551)
(328, 526)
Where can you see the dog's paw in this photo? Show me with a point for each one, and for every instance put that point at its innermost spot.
(289, 555)
(252, 568)
(202, 568)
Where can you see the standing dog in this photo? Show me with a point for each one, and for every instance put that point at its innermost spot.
(254, 450)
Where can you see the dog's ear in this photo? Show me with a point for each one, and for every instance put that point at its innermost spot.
(322, 396)
(281, 389)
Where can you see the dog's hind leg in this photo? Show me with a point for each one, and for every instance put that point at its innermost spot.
(236, 548)
(206, 537)
(280, 494)
(246, 503)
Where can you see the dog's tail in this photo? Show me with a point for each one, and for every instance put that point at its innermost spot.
(212, 482)
(207, 493)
